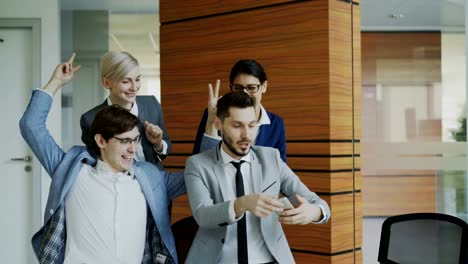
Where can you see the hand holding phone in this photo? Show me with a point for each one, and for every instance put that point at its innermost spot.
(286, 203)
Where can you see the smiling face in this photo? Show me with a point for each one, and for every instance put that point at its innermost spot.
(124, 91)
(238, 131)
(116, 153)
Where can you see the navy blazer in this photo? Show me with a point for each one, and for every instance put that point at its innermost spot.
(272, 135)
(149, 110)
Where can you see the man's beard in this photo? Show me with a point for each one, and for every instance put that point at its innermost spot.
(230, 145)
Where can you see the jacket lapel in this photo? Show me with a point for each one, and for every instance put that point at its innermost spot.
(154, 199)
(141, 115)
(256, 172)
(158, 203)
(218, 170)
(104, 104)
(141, 110)
(147, 146)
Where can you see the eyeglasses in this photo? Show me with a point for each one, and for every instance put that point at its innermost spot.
(250, 88)
(128, 141)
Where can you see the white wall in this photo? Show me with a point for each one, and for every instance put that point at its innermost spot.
(48, 12)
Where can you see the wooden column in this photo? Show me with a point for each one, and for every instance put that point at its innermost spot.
(311, 53)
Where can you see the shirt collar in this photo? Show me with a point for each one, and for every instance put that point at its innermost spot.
(227, 159)
(264, 119)
(104, 168)
(133, 110)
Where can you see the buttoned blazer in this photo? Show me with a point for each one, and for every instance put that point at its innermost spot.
(206, 188)
(158, 187)
(149, 109)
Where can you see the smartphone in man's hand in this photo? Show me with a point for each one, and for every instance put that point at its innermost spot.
(286, 204)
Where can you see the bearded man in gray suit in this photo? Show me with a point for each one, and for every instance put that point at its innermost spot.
(233, 192)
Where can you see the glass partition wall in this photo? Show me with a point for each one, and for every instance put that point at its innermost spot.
(92, 28)
(413, 112)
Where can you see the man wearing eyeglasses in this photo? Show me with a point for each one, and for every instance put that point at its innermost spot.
(102, 207)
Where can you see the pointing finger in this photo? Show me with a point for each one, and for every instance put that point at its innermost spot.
(72, 58)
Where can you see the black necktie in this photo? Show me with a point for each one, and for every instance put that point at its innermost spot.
(242, 254)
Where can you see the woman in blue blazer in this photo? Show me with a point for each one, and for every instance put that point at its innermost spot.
(249, 76)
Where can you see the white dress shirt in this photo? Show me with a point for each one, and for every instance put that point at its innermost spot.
(257, 249)
(106, 217)
(140, 155)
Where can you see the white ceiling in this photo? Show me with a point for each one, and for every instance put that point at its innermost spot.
(135, 24)
(134, 27)
(416, 15)
(139, 35)
(115, 6)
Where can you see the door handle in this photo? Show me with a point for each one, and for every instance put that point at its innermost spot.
(26, 159)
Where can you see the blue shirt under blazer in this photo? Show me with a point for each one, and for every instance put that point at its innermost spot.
(158, 187)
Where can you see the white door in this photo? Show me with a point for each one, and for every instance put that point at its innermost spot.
(16, 183)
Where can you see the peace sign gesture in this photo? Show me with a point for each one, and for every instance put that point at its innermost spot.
(213, 96)
(62, 75)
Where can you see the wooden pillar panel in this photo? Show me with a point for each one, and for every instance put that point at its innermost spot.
(311, 53)
(357, 180)
(341, 85)
(307, 258)
(356, 11)
(179, 10)
(327, 182)
(357, 220)
(321, 163)
(335, 237)
(289, 42)
(326, 167)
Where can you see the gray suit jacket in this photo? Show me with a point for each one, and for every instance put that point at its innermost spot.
(206, 184)
(149, 110)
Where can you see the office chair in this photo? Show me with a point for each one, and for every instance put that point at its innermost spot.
(184, 232)
(423, 238)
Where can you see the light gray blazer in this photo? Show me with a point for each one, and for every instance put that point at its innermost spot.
(206, 185)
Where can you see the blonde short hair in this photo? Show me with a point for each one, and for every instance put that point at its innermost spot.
(115, 65)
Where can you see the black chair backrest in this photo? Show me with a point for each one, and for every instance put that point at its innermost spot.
(184, 232)
(423, 238)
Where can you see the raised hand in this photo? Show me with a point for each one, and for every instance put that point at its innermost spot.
(260, 205)
(62, 75)
(154, 134)
(213, 96)
(304, 214)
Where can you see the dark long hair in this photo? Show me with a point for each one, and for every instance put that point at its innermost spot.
(250, 67)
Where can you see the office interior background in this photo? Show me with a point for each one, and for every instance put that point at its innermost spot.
(412, 104)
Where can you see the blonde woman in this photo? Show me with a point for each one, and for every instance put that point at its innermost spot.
(120, 74)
